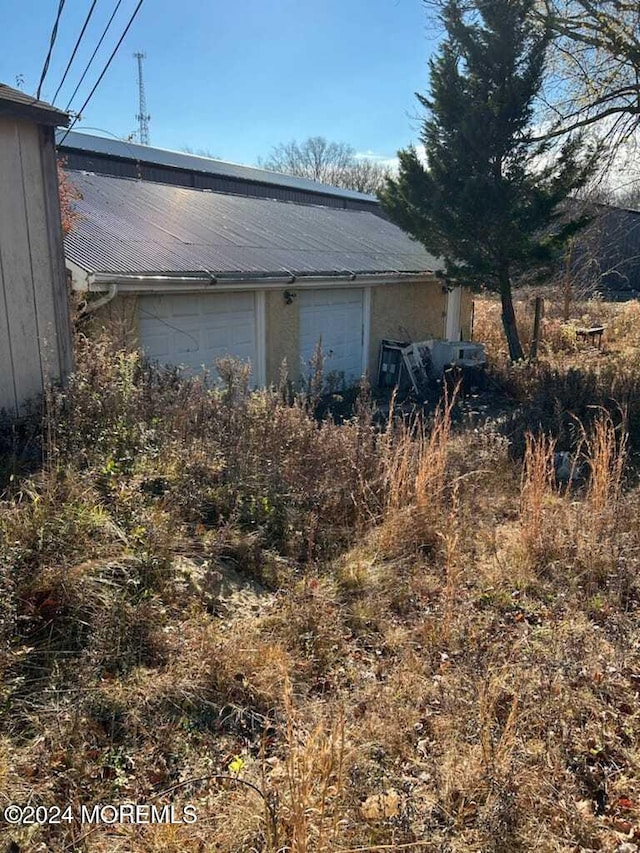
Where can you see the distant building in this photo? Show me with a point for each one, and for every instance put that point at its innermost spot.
(604, 258)
(35, 339)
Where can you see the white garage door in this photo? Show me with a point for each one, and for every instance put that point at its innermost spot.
(193, 330)
(334, 317)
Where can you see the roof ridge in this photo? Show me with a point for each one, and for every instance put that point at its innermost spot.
(126, 150)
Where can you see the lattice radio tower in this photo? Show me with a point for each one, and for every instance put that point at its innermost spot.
(143, 117)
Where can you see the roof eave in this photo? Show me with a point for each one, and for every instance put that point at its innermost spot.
(167, 283)
(37, 114)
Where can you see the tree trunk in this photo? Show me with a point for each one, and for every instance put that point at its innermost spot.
(509, 317)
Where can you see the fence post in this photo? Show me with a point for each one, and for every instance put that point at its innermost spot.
(535, 340)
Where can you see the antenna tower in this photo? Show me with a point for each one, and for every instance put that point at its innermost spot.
(142, 117)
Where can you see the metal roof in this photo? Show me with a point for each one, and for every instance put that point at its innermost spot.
(17, 103)
(127, 226)
(74, 141)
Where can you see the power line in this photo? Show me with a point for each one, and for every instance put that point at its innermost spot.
(93, 55)
(75, 49)
(104, 71)
(52, 41)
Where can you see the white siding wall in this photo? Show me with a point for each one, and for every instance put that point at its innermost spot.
(35, 343)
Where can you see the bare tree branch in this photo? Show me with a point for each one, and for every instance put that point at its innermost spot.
(334, 163)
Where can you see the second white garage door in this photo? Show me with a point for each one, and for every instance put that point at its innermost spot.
(193, 330)
(335, 317)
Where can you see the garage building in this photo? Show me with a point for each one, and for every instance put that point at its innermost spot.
(193, 274)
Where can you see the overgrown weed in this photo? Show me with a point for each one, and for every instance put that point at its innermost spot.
(431, 638)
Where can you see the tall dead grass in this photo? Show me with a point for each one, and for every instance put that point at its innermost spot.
(310, 807)
(463, 677)
(536, 494)
(417, 482)
(607, 450)
(577, 520)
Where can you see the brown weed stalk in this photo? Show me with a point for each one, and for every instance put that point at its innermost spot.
(309, 810)
(535, 490)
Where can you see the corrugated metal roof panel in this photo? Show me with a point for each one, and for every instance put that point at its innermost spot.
(191, 162)
(127, 226)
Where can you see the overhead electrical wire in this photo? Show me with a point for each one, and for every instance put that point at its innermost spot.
(75, 49)
(52, 41)
(93, 55)
(104, 71)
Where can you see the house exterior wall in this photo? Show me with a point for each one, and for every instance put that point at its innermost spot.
(412, 311)
(283, 335)
(400, 311)
(35, 336)
(466, 313)
(119, 319)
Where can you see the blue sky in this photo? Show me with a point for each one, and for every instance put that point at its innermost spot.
(236, 78)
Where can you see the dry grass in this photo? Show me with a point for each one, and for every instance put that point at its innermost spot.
(417, 482)
(621, 322)
(440, 650)
(536, 492)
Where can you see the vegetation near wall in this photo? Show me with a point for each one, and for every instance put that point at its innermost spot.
(325, 636)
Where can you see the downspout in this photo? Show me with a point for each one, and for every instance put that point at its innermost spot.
(104, 300)
(87, 308)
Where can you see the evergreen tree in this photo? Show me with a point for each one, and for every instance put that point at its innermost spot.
(485, 201)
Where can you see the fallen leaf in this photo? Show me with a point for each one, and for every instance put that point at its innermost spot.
(381, 806)
(585, 808)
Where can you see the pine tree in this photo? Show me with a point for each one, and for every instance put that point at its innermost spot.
(487, 199)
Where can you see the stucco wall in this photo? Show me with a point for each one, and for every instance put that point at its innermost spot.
(408, 311)
(35, 335)
(119, 319)
(283, 335)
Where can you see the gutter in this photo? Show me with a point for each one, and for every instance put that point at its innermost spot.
(137, 283)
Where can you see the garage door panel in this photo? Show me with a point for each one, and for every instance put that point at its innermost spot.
(184, 345)
(335, 318)
(217, 339)
(158, 346)
(208, 308)
(223, 304)
(194, 330)
(191, 313)
(242, 337)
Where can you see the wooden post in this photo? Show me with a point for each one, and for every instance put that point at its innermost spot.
(535, 340)
(567, 284)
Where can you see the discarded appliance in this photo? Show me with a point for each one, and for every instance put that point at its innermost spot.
(403, 364)
(455, 353)
(390, 364)
(417, 361)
